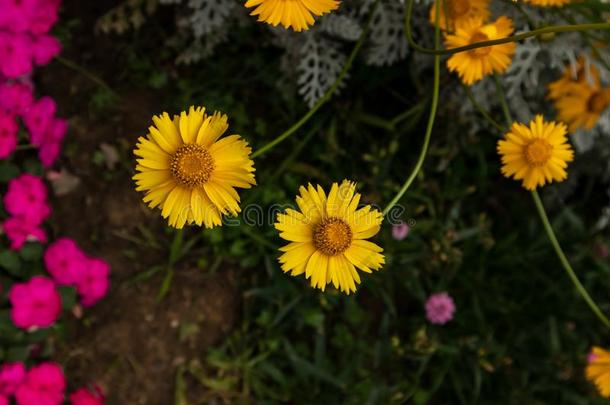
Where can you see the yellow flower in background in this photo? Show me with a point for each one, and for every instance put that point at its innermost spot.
(295, 14)
(571, 77)
(328, 237)
(459, 11)
(473, 65)
(189, 172)
(537, 154)
(583, 105)
(598, 370)
(548, 3)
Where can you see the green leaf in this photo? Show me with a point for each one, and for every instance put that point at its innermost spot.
(31, 252)
(9, 261)
(8, 171)
(68, 297)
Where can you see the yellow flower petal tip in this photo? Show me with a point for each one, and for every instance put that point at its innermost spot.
(537, 154)
(455, 12)
(598, 370)
(548, 3)
(294, 14)
(328, 237)
(189, 171)
(475, 64)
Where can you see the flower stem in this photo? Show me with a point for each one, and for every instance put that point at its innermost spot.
(431, 118)
(513, 38)
(324, 99)
(564, 261)
(91, 76)
(503, 102)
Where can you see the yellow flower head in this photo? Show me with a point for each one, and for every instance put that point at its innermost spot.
(189, 172)
(583, 105)
(459, 11)
(473, 65)
(295, 14)
(537, 154)
(573, 78)
(548, 3)
(328, 237)
(598, 370)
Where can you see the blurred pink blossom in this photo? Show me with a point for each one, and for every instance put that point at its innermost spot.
(26, 198)
(15, 54)
(440, 308)
(4, 400)
(11, 376)
(15, 97)
(35, 303)
(38, 117)
(93, 282)
(86, 396)
(400, 231)
(8, 135)
(45, 48)
(20, 231)
(65, 262)
(43, 385)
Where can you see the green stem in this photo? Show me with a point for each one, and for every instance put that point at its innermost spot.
(94, 78)
(503, 102)
(431, 118)
(513, 38)
(481, 110)
(324, 99)
(564, 261)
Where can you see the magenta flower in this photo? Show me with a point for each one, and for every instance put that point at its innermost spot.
(35, 304)
(38, 117)
(43, 385)
(65, 262)
(93, 282)
(26, 198)
(15, 55)
(4, 400)
(400, 231)
(45, 48)
(86, 396)
(440, 308)
(15, 98)
(8, 135)
(20, 231)
(11, 376)
(43, 16)
(51, 144)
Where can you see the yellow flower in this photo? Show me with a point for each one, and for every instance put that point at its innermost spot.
(473, 65)
(548, 3)
(598, 370)
(189, 172)
(583, 105)
(328, 237)
(295, 14)
(536, 155)
(459, 11)
(573, 77)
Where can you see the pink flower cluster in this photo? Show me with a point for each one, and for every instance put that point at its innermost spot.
(35, 303)
(26, 202)
(440, 308)
(45, 129)
(69, 265)
(44, 384)
(24, 38)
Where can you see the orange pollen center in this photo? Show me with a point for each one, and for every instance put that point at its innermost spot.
(538, 152)
(598, 102)
(458, 8)
(192, 165)
(332, 236)
(479, 37)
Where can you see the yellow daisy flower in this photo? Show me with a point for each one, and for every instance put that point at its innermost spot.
(570, 78)
(598, 370)
(459, 11)
(536, 155)
(328, 237)
(473, 65)
(189, 172)
(548, 3)
(295, 14)
(584, 104)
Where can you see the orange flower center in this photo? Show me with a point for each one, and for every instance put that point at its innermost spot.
(538, 152)
(458, 8)
(479, 37)
(192, 165)
(332, 236)
(598, 102)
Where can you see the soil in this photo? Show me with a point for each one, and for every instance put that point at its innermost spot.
(129, 343)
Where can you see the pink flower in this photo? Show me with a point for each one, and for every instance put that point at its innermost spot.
(8, 135)
(15, 98)
(591, 357)
(45, 48)
(4, 400)
(65, 262)
(15, 15)
(20, 231)
(400, 231)
(93, 282)
(38, 117)
(11, 376)
(440, 308)
(43, 16)
(26, 198)
(51, 144)
(44, 385)
(15, 54)
(86, 396)
(35, 303)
